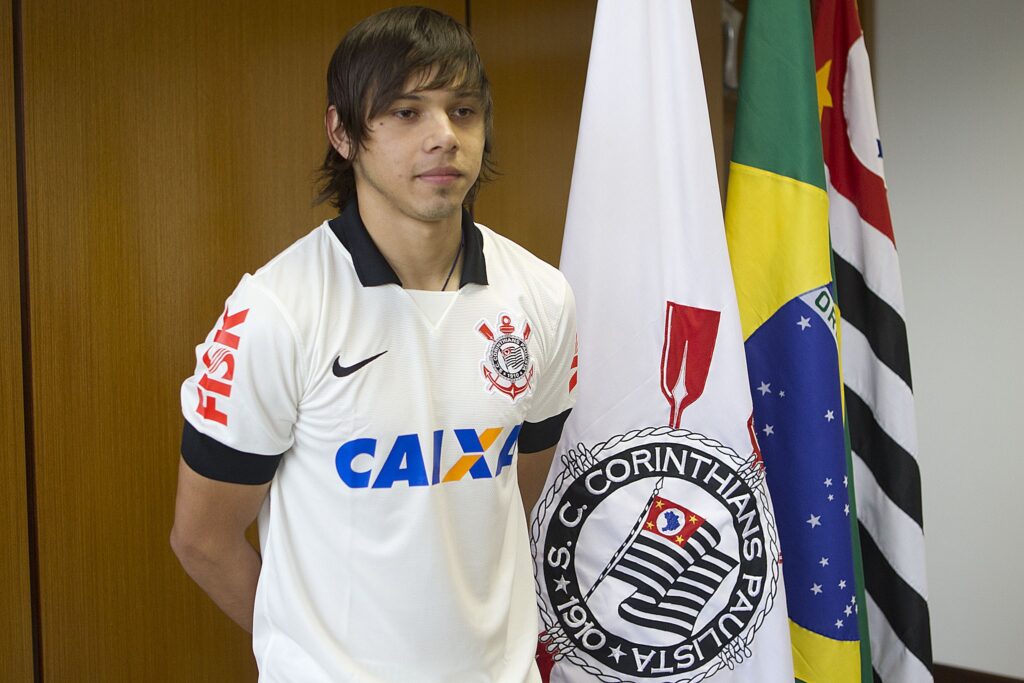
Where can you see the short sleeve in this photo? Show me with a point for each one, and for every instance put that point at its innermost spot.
(556, 391)
(241, 403)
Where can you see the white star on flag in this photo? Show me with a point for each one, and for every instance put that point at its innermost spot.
(814, 521)
(828, 481)
(830, 416)
(848, 611)
(782, 394)
(768, 430)
(831, 497)
(804, 323)
(823, 562)
(816, 589)
(846, 510)
(842, 583)
(765, 388)
(839, 623)
(616, 653)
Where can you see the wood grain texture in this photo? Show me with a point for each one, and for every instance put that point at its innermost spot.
(15, 602)
(707, 19)
(535, 53)
(171, 147)
(866, 9)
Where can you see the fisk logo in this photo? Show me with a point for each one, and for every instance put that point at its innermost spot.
(220, 367)
(407, 459)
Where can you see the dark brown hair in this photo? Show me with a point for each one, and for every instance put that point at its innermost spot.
(369, 71)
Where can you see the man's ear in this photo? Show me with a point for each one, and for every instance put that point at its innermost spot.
(336, 133)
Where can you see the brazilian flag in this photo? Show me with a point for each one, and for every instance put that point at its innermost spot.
(777, 228)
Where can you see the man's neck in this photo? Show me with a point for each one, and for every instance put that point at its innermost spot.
(420, 252)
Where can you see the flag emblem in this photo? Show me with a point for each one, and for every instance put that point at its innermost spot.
(678, 549)
(690, 336)
(506, 367)
(673, 578)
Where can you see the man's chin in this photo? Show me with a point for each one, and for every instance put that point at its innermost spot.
(442, 207)
(439, 212)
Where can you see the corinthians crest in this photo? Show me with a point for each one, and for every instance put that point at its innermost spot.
(507, 367)
(657, 555)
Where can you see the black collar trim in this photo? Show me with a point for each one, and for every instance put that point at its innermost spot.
(374, 270)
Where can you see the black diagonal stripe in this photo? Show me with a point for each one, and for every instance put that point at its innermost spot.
(659, 613)
(692, 575)
(649, 550)
(694, 601)
(894, 469)
(879, 322)
(687, 596)
(620, 572)
(903, 607)
(695, 583)
(876, 675)
(709, 533)
(720, 560)
(644, 614)
(628, 562)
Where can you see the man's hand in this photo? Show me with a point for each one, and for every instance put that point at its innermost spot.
(210, 519)
(533, 472)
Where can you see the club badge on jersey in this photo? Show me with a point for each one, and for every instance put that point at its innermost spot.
(507, 366)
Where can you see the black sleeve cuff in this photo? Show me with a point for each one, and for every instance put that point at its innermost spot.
(536, 436)
(213, 460)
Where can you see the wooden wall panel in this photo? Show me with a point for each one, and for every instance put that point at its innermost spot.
(15, 604)
(535, 53)
(707, 19)
(866, 9)
(171, 146)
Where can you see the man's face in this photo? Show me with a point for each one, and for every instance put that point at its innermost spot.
(423, 153)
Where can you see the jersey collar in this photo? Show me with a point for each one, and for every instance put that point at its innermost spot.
(373, 269)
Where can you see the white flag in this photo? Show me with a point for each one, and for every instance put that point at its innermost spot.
(657, 556)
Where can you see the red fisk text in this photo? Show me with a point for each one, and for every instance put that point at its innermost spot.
(220, 367)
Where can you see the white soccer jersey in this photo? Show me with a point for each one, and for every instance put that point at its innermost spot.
(394, 540)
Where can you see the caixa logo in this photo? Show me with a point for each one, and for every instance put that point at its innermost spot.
(426, 459)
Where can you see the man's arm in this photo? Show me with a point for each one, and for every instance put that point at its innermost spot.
(533, 472)
(210, 519)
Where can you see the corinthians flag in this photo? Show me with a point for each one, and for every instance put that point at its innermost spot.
(777, 226)
(876, 360)
(655, 544)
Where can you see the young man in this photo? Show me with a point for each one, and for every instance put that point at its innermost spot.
(369, 394)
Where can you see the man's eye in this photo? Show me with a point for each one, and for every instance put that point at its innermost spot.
(404, 114)
(463, 112)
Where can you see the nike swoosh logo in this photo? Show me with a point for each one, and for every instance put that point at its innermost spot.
(341, 371)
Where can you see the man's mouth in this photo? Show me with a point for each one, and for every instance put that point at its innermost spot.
(442, 175)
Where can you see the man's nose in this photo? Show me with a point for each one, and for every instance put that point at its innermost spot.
(441, 135)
